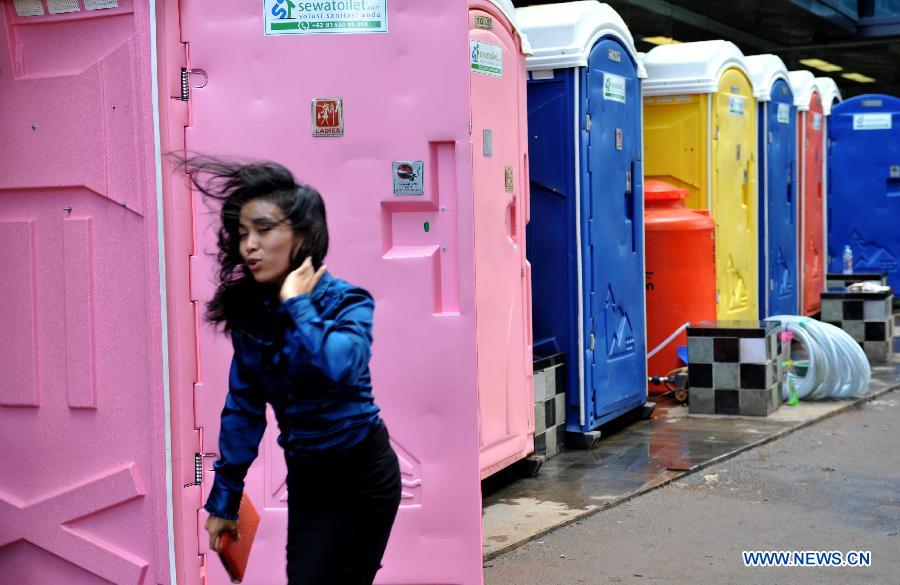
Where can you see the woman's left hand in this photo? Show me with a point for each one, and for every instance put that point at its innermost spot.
(301, 281)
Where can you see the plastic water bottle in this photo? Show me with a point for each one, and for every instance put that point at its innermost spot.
(848, 260)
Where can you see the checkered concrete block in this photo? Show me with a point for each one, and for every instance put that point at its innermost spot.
(540, 386)
(866, 317)
(561, 408)
(540, 417)
(755, 402)
(700, 350)
(733, 368)
(702, 401)
(855, 329)
(832, 310)
(726, 375)
(554, 441)
(878, 310)
(754, 350)
(879, 351)
(550, 407)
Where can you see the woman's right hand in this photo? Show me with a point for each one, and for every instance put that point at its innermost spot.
(216, 527)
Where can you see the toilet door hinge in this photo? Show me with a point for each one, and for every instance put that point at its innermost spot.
(198, 468)
(185, 84)
(587, 122)
(593, 340)
(186, 81)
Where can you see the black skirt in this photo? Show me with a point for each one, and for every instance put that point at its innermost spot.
(341, 507)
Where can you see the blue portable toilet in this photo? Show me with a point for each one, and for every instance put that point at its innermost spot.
(778, 286)
(586, 235)
(831, 95)
(864, 184)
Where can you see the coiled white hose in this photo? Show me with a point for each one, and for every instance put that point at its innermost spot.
(838, 367)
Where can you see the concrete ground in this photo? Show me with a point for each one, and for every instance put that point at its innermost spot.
(834, 485)
(635, 457)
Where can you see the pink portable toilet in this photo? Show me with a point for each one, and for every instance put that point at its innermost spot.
(83, 398)
(411, 123)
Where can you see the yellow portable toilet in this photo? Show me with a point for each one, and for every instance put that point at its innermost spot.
(700, 134)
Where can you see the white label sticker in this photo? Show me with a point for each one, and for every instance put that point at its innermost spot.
(736, 105)
(817, 121)
(408, 177)
(294, 17)
(872, 122)
(486, 58)
(784, 113)
(614, 88)
(488, 142)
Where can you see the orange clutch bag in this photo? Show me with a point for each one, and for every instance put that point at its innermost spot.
(235, 554)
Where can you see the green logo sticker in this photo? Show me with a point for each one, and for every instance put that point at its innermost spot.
(485, 58)
(614, 88)
(872, 122)
(295, 17)
(784, 113)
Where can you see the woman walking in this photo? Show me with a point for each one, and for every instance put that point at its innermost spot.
(302, 342)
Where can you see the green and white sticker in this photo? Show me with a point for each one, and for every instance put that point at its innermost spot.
(614, 88)
(486, 58)
(872, 122)
(736, 105)
(296, 17)
(784, 113)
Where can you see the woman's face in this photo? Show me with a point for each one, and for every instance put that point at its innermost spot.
(267, 241)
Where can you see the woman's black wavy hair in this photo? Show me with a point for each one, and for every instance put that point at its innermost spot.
(236, 304)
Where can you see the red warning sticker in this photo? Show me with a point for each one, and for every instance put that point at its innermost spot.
(328, 117)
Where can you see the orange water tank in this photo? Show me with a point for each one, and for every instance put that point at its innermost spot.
(681, 271)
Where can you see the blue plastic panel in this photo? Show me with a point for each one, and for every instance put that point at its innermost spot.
(778, 216)
(551, 233)
(864, 184)
(613, 225)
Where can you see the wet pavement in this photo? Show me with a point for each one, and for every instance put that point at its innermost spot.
(832, 486)
(634, 457)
